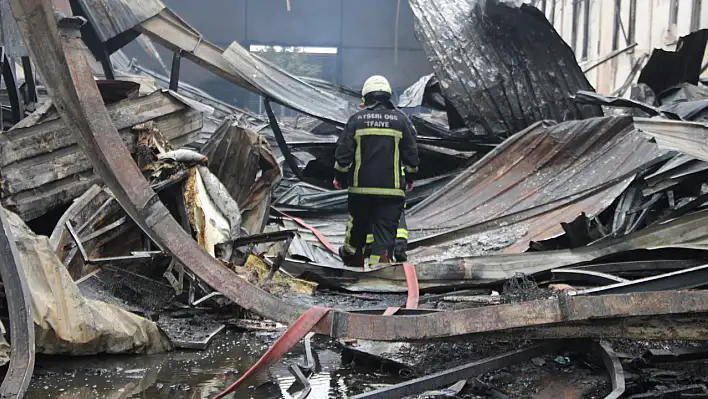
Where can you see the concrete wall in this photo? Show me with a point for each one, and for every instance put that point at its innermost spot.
(652, 30)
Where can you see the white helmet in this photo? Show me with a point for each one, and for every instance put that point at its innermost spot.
(376, 83)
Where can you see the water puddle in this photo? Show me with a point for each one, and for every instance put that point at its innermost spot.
(201, 374)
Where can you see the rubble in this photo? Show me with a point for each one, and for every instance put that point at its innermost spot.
(177, 209)
(65, 321)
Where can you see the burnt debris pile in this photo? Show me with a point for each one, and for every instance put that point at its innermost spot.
(556, 235)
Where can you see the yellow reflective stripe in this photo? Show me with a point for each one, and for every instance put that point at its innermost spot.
(402, 233)
(377, 191)
(357, 160)
(411, 169)
(396, 166)
(369, 238)
(348, 232)
(379, 132)
(341, 168)
(374, 259)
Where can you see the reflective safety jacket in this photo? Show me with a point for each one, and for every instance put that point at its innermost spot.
(377, 153)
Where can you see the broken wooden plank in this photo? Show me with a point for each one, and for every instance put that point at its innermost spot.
(41, 164)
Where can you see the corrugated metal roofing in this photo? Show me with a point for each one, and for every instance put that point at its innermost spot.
(502, 67)
(110, 18)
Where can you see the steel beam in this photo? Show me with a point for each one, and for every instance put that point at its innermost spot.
(170, 31)
(174, 72)
(29, 80)
(280, 139)
(8, 74)
(21, 366)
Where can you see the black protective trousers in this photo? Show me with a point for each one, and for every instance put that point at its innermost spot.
(381, 214)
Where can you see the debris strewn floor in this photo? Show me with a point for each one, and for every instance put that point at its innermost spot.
(557, 235)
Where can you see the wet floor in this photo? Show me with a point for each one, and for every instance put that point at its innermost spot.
(201, 374)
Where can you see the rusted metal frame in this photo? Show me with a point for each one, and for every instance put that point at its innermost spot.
(551, 312)
(174, 72)
(614, 368)
(467, 371)
(687, 327)
(8, 75)
(22, 347)
(29, 80)
(678, 280)
(289, 158)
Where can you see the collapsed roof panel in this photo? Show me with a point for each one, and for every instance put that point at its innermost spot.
(111, 18)
(249, 71)
(287, 89)
(687, 137)
(502, 67)
(541, 170)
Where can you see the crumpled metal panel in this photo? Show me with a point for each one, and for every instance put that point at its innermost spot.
(687, 137)
(669, 68)
(502, 67)
(551, 172)
(110, 18)
(413, 96)
(287, 89)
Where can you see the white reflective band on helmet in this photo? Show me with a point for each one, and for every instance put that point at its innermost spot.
(376, 83)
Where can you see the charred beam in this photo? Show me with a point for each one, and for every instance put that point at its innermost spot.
(21, 325)
(289, 158)
(174, 73)
(29, 80)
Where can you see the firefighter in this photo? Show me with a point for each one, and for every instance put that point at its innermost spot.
(376, 147)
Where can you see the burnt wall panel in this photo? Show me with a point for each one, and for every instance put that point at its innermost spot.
(310, 22)
(359, 64)
(372, 23)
